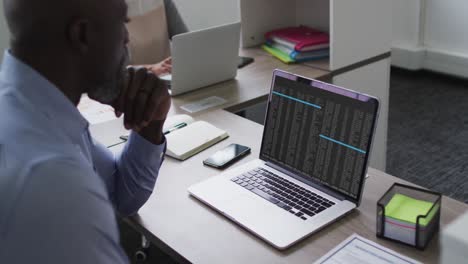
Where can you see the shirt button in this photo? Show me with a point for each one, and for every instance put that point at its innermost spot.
(78, 148)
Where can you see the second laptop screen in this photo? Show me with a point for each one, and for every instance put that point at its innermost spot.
(319, 134)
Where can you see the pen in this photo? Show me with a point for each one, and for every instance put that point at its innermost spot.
(178, 126)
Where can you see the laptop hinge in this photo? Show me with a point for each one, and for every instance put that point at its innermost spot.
(320, 187)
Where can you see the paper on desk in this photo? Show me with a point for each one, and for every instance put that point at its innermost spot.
(358, 250)
(203, 104)
(95, 112)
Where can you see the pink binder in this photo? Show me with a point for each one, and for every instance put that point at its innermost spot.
(298, 38)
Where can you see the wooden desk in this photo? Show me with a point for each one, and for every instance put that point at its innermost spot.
(251, 86)
(191, 231)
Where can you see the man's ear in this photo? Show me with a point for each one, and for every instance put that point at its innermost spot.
(79, 35)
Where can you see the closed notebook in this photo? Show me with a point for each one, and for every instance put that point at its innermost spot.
(290, 50)
(298, 37)
(296, 56)
(278, 54)
(310, 55)
(302, 55)
(191, 139)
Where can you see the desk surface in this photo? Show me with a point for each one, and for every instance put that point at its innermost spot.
(251, 84)
(201, 235)
(191, 231)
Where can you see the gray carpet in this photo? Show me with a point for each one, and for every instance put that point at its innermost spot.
(428, 131)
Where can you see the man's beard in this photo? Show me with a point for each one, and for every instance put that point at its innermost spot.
(108, 92)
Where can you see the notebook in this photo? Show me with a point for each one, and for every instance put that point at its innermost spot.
(187, 137)
(296, 56)
(278, 54)
(298, 38)
(289, 49)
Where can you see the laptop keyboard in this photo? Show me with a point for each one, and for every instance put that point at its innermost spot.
(283, 193)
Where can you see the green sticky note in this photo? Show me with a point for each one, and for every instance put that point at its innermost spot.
(404, 208)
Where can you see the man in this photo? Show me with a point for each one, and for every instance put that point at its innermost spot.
(58, 187)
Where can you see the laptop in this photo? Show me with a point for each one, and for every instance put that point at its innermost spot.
(312, 166)
(204, 57)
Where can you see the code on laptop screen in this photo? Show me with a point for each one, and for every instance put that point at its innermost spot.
(319, 134)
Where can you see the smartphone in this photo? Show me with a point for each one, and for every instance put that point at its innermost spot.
(227, 156)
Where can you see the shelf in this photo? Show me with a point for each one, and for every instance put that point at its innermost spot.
(358, 30)
(322, 64)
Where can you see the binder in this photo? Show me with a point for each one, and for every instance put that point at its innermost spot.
(299, 38)
(296, 56)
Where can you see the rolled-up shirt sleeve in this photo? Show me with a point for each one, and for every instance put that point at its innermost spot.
(137, 168)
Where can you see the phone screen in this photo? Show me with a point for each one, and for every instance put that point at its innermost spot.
(226, 155)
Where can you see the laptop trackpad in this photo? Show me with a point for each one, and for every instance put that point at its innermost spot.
(265, 219)
(244, 206)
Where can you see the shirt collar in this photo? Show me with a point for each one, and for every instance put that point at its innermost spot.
(43, 95)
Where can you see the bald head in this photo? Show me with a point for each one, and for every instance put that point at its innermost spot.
(76, 44)
(45, 22)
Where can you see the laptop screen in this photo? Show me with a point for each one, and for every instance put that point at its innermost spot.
(320, 132)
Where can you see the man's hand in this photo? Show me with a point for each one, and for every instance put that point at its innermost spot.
(144, 101)
(161, 68)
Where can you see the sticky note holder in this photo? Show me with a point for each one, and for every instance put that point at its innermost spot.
(409, 215)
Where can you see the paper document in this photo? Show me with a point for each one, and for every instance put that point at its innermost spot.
(94, 111)
(358, 250)
(203, 104)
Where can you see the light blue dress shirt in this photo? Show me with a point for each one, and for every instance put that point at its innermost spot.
(59, 189)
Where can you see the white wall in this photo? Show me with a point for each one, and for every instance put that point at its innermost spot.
(319, 20)
(447, 25)
(140, 7)
(4, 34)
(405, 22)
(260, 16)
(431, 34)
(200, 14)
(446, 36)
(407, 43)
